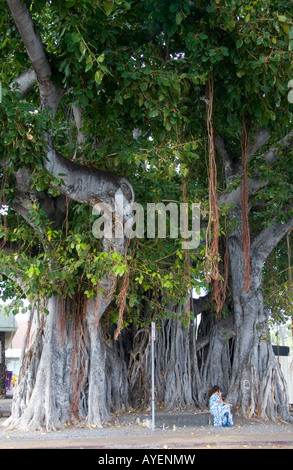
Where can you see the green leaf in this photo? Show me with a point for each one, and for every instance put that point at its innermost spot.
(225, 51)
(89, 64)
(153, 113)
(108, 7)
(168, 125)
(179, 17)
(76, 37)
(98, 77)
(82, 47)
(101, 58)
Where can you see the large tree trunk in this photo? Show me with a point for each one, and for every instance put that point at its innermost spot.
(66, 373)
(254, 382)
(38, 392)
(233, 352)
(257, 386)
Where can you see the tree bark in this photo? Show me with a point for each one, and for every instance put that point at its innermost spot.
(34, 404)
(257, 386)
(255, 183)
(68, 371)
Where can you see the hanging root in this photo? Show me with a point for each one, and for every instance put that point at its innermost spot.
(212, 236)
(220, 285)
(78, 332)
(124, 287)
(187, 255)
(244, 207)
(122, 302)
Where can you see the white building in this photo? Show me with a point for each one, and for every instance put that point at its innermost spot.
(286, 364)
(14, 347)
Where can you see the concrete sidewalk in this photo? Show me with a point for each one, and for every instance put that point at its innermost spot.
(177, 431)
(282, 440)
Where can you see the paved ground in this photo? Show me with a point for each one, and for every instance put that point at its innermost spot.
(127, 432)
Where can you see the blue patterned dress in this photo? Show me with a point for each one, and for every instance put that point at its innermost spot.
(222, 413)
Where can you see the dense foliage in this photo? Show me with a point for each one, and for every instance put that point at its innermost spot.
(139, 71)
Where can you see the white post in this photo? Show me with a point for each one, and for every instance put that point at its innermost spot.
(153, 374)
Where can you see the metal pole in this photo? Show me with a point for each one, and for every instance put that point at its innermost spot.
(153, 375)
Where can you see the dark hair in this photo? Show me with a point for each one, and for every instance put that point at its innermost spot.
(213, 390)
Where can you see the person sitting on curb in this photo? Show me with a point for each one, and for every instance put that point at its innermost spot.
(219, 409)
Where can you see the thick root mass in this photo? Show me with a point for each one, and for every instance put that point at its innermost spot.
(59, 380)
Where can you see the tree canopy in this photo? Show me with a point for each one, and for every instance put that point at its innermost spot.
(135, 78)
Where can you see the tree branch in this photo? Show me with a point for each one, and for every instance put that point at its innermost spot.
(225, 329)
(255, 183)
(77, 114)
(201, 304)
(80, 183)
(234, 197)
(274, 153)
(267, 239)
(24, 83)
(83, 184)
(259, 141)
(49, 94)
(225, 156)
(231, 166)
(26, 195)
